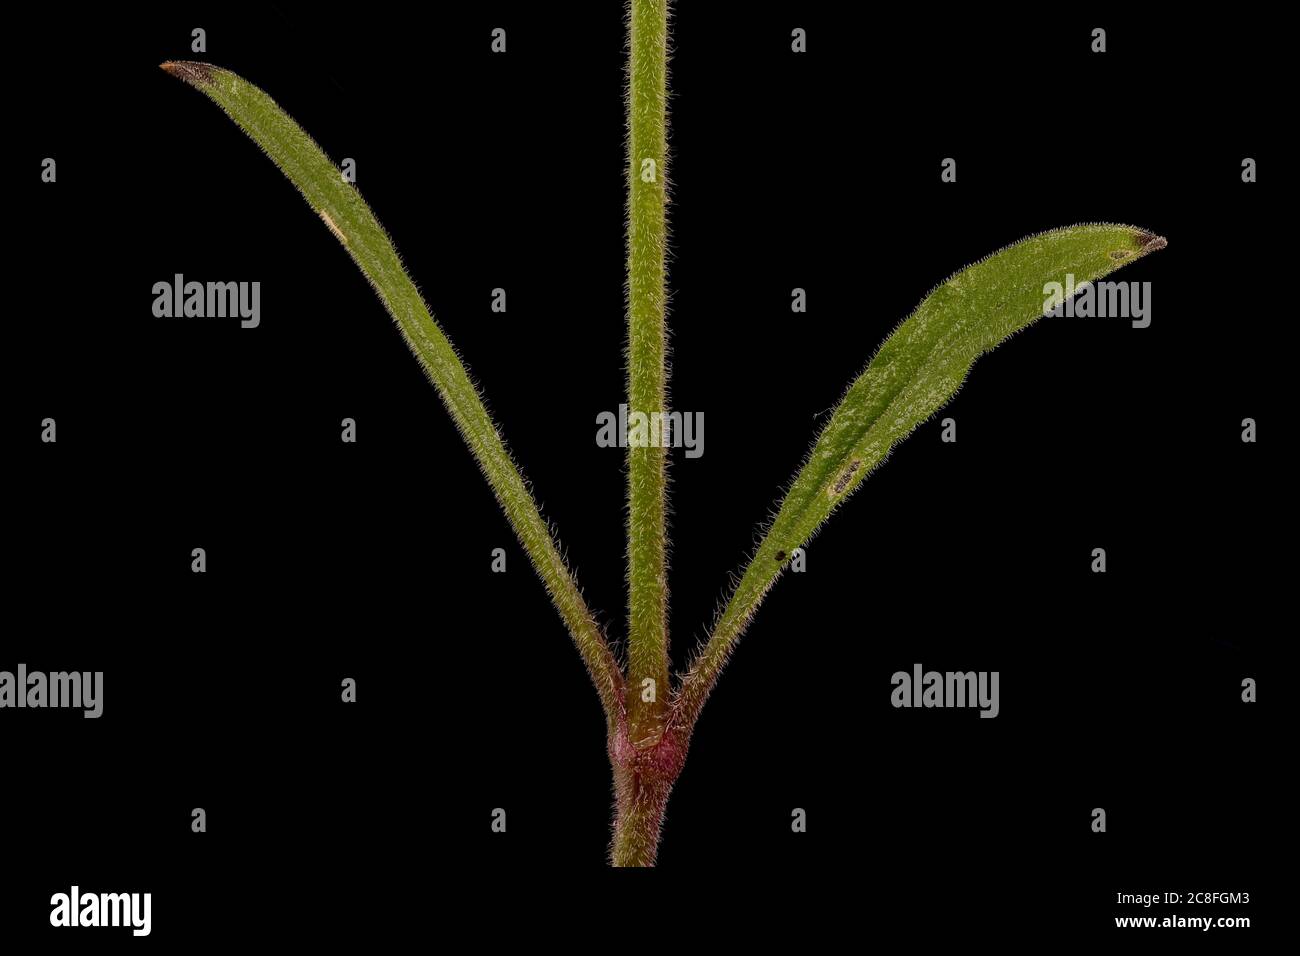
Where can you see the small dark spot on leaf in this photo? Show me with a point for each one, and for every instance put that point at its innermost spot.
(1119, 254)
(843, 481)
(780, 555)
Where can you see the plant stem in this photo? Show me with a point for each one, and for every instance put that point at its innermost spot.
(643, 779)
(637, 828)
(647, 369)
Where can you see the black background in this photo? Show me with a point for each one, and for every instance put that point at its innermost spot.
(328, 560)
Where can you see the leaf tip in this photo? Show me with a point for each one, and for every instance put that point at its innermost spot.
(195, 74)
(1150, 242)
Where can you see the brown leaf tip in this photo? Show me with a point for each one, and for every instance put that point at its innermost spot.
(195, 74)
(1150, 242)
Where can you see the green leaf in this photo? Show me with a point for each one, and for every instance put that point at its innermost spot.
(913, 375)
(348, 217)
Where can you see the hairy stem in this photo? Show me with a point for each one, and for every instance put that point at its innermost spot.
(348, 217)
(647, 370)
(641, 806)
(643, 779)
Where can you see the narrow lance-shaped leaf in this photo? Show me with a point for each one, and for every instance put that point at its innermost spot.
(914, 374)
(350, 220)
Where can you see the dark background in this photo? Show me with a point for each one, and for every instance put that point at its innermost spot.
(372, 560)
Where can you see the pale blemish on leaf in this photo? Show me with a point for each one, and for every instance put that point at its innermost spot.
(333, 228)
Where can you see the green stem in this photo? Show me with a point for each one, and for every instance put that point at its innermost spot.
(640, 820)
(647, 369)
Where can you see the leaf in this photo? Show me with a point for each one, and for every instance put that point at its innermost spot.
(913, 375)
(347, 216)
